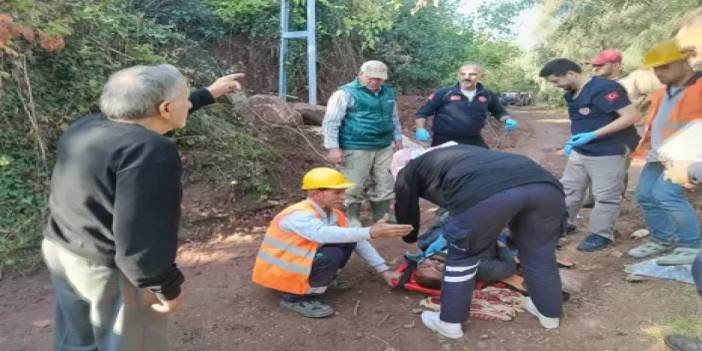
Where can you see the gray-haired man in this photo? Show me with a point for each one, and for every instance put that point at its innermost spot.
(111, 239)
(360, 126)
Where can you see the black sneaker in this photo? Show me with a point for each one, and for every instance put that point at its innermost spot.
(570, 229)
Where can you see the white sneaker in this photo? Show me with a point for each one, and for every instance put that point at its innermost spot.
(546, 322)
(450, 330)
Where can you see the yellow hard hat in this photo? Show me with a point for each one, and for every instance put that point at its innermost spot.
(325, 178)
(663, 53)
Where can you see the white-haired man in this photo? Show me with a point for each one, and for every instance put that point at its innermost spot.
(111, 239)
(361, 126)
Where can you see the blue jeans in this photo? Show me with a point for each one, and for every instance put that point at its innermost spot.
(697, 273)
(666, 209)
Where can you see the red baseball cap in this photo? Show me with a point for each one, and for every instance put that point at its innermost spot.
(606, 56)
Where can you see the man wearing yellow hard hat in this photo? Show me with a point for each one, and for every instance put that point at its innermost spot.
(675, 229)
(308, 243)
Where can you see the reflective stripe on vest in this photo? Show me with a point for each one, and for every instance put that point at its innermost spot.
(284, 260)
(688, 109)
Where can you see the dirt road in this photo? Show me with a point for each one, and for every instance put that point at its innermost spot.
(225, 311)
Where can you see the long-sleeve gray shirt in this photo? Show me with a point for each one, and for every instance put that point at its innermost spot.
(326, 230)
(336, 111)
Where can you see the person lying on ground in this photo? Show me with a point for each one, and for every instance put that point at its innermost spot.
(484, 191)
(496, 262)
(308, 243)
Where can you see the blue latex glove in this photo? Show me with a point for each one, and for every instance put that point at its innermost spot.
(567, 149)
(581, 138)
(422, 134)
(578, 140)
(511, 124)
(437, 246)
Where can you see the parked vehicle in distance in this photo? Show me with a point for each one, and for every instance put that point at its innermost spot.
(516, 98)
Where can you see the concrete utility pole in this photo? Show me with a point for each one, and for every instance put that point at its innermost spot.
(310, 35)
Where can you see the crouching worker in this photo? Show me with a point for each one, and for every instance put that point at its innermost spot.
(308, 243)
(484, 191)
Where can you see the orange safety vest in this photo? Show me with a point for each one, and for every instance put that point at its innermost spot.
(688, 109)
(284, 261)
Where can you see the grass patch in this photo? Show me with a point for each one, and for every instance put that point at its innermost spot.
(682, 325)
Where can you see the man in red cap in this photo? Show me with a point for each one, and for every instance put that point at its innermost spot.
(607, 64)
(639, 85)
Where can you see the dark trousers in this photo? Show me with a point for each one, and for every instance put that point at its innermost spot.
(475, 140)
(536, 215)
(327, 262)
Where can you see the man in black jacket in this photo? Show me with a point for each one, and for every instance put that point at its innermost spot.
(484, 191)
(111, 239)
(460, 111)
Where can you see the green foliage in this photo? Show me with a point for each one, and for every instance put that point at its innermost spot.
(578, 30)
(497, 17)
(504, 65)
(223, 152)
(193, 18)
(425, 49)
(43, 91)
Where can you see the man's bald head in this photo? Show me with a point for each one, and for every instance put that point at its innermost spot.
(472, 65)
(469, 75)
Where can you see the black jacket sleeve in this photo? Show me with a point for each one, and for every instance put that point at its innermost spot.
(146, 217)
(407, 203)
(200, 98)
(495, 107)
(432, 104)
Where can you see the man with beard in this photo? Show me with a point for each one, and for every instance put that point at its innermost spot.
(460, 111)
(602, 121)
(671, 217)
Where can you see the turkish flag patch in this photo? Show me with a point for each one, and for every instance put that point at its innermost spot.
(482, 99)
(455, 98)
(612, 96)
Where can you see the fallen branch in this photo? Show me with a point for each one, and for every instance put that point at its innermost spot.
(296, 130)
(387, 315)
(381, 340)
(30, 110)
(259, 208)
(355, 308)
(207, 218)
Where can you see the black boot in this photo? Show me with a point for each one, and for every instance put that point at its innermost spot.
(683, 343)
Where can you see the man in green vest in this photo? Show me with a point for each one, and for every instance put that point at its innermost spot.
(361, 126)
